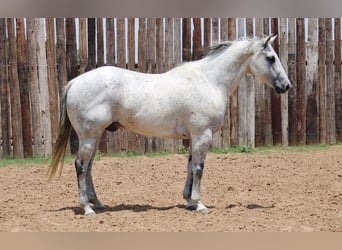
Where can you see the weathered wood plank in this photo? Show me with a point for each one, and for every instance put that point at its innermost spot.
(4, 95)
(34, 89)
(23, 69)
(330, 94)
(52, 77)
(338, 81)
(301, 93)
(311, 83)
(283, 54)
(292, 73)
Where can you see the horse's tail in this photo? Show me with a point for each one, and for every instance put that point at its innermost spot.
(59, 149)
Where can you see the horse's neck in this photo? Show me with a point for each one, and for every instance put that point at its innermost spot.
(227, 69)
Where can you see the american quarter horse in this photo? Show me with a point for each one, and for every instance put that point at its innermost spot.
(187, 102)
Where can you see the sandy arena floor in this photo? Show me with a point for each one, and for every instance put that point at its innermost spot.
(272, 192)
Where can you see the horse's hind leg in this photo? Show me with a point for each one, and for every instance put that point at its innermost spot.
(90, 186)
(84, 159)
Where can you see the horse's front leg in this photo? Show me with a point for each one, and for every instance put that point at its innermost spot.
(200, 146)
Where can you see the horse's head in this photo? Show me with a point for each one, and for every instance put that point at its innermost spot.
(266, 66)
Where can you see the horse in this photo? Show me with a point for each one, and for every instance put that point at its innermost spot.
(186, 102)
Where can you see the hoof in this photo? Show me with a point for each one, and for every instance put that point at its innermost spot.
(197, 206)
(201, 208)
(89, 212)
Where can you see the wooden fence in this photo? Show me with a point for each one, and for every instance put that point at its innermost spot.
(38, 56)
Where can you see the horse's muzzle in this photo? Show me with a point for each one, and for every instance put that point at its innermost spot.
(282, 88)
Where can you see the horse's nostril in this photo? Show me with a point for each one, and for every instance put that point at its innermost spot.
(287, 87)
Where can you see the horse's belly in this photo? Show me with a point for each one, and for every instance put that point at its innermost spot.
(155, 128)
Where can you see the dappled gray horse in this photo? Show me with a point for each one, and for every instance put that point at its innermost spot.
(187, 102)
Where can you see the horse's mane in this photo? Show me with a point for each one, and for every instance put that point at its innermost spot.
(220, 47)
(217, 48)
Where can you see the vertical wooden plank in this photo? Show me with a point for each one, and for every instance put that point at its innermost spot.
(233, 100)
(91, 44)
(186, 38)
(275, 98)
(322, 81)
(16, 121)
(330, 94)
(112, 142)
(207, 32)
(24, 87)
(34, 89)
(170, 145)
(110, 38)
(151, 63)
(83, 44)
(43, 87)
(100, 62)
(61, 55)
(52, 77)
(121, 62)
(215, 31)
(215, 39)
(142, 58)
(250, 115)
(99, 42)
(312, 83)
(268, 98)
(292, 73)
(131, 43)
(158, 143)
(197, 39)
(301, 121)
(177, 42)
(142, 66)
(259, 99)
(338, 82)
(72, 67)
(283, 54)
(4, 95)
(242, 96)
(225, 130)
(177, 57)
(159, 45)
(134, 141)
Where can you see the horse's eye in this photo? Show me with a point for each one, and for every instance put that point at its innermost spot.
(270, 59)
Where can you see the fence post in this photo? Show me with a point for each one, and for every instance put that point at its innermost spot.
(234, 111)
(259, 99)
(72, 68)
(34, 91)
(83, 44)
(312, 83)
(225, 130)
(338, 82)
(91, 44)
(301, 94)
(322, 83)
(52, 78)
(330, 93)
(5, 120)
(24, 88)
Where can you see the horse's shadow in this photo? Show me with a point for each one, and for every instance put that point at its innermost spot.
(124, 207)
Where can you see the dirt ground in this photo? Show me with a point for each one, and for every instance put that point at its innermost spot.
(272, 192)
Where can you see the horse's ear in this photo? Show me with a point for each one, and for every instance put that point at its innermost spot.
(270, 39)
